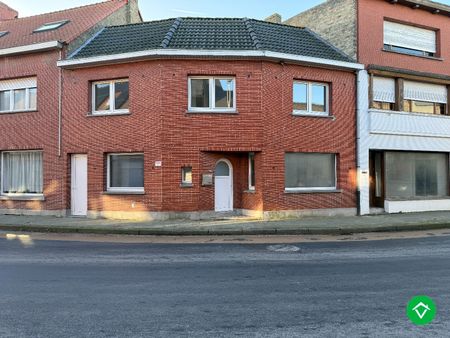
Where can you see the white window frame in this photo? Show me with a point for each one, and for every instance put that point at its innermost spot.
(212, 94)
(302, 189)
(112, 102)
(108, 176)
(250, 186)
(2, 171)
(27, 101)
(183, 182)
(50, 26)
(309, 111)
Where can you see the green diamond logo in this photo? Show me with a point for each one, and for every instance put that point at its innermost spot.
(421, 310)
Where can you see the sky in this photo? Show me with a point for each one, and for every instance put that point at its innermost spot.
(158, 9)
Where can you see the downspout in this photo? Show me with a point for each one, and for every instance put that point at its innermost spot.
(60, 106)
(358, 140)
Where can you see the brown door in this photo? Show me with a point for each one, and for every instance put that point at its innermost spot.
(376, 168)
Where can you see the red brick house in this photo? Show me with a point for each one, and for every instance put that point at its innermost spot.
(188, 117)
(404, 101)
(31, 164)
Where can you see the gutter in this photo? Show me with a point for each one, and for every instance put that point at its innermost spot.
(180, 53)
(35, 47)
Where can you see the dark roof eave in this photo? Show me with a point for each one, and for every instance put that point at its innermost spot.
(216, 54)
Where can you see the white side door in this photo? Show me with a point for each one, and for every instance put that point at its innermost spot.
(79, 187)
(223, 186)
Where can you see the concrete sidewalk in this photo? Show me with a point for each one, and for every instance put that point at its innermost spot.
(230, 226)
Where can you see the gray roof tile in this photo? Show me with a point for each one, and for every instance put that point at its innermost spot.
(210, 34)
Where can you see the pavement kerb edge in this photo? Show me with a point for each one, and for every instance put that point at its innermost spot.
(341, 230)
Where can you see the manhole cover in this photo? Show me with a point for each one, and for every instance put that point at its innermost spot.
(283, 248)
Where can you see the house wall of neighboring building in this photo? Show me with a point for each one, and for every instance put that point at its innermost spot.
(334, 20)
(35, 130)
(160, 127)
(371, 14)
(391, 130)
(128, 14)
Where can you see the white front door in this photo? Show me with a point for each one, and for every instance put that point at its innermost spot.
(79, 191)
(223, 186)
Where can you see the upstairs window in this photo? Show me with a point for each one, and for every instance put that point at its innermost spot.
(409, 39)
(212, 94)
(110, 97)
(383, 93)
(18, 95)
(425, 98)
(50, 26)
(310, 98)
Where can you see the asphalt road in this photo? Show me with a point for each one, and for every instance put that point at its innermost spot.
(334, 289)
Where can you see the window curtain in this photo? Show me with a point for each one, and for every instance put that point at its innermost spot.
(383, 89)
(425, 92)
(396, 34)
(22, 173)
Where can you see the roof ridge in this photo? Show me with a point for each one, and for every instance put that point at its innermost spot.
(256, 42)
(329, 44)
(166, 41)
(144, 22)
(68, 9)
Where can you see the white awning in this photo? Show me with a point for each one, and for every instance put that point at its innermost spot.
(425, 92)
(383, 89)
(26, 82)
(406, 36)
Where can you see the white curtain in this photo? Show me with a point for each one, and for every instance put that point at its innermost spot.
(425, 92)
(383, 89)
(22, 172)
(28, 82)
(396, 34)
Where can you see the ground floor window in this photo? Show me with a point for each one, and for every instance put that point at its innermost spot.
(251, 171)
(414, 175)
(310, 171)
(21, 172)
(186, 175)
(125, 172)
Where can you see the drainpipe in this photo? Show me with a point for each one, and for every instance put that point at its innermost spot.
(60, 106)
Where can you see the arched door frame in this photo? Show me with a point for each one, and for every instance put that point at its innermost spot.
(230, 166)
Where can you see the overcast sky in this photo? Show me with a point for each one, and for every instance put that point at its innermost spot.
(158, 9)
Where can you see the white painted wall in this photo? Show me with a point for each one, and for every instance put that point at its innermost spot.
(384, 130)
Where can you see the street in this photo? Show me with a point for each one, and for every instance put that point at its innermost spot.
(323, 289)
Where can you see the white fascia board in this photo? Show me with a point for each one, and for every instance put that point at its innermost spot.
(155, 53)
(36, 47)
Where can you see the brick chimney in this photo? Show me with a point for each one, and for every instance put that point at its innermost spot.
(274, 18)
(7, 13)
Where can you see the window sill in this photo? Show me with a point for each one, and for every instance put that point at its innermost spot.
(417, 56)
(312, 191)
(418, 198)
(186, 185)
(408, 113)
(107, 114)
(124, 192)
(212, 112)
(306, 114)
(250, 191)
(30, 197)
(19, 111)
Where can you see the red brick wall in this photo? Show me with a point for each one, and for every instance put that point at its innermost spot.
(35, 130)
(160, 127)
(371, 14)
(285, 132)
